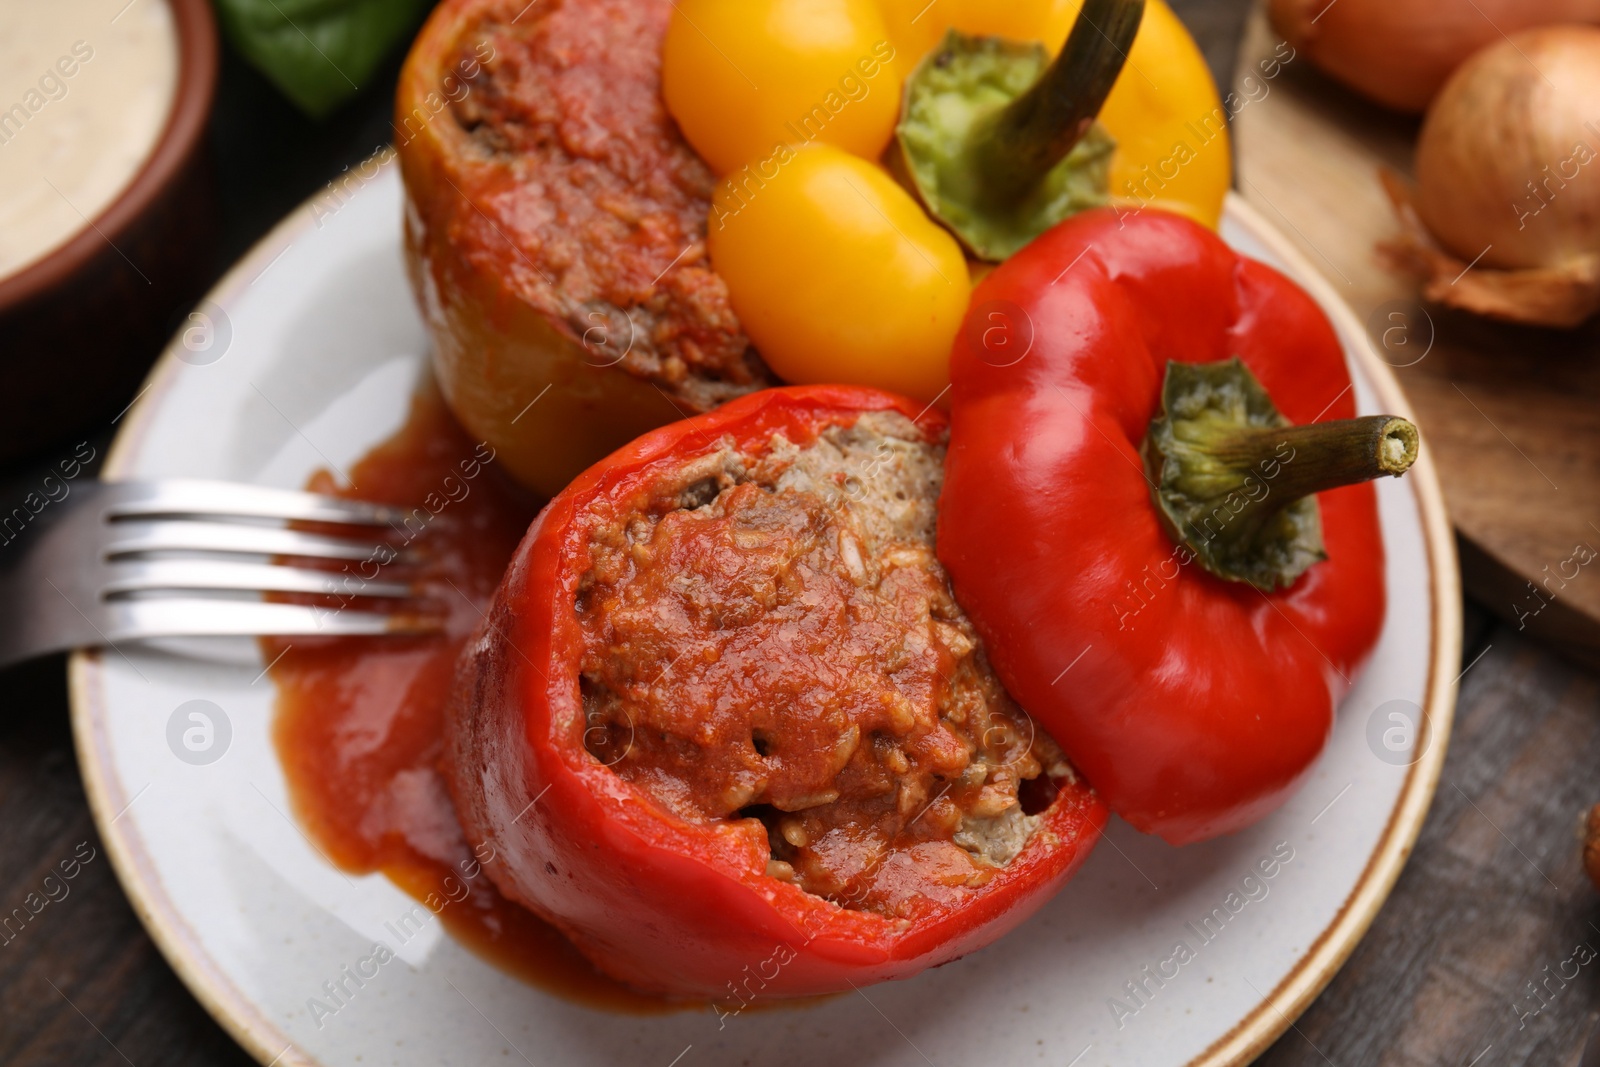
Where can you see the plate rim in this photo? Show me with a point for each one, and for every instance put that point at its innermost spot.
(262, 1038)
(1328, 953)
(207, 982)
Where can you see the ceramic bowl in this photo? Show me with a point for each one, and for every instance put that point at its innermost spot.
(80, 326)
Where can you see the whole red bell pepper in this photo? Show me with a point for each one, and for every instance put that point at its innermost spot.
(1151, 521)
(664, 903)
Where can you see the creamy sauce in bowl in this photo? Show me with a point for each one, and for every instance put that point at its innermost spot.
(85, 90)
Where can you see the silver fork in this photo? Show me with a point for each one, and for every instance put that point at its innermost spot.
(129, 561)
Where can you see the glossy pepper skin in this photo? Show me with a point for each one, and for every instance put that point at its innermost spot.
(661, 904)
(1197, 703)
(868, 289)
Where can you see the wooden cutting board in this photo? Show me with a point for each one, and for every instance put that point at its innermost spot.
(1511, 414)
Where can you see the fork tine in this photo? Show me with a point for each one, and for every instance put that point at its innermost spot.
(182, 497)
(131, 620)
(178, 536)
(133, 576)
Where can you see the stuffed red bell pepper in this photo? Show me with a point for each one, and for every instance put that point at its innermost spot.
(725, 711)
(1152, 521)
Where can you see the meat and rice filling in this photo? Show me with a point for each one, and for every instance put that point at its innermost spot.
(773, 638)
(603, 200)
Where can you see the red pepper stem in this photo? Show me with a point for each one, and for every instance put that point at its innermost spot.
(1237, 485)
(1299, 461)
(1019, 144)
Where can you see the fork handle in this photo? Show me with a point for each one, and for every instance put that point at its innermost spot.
(46, 585)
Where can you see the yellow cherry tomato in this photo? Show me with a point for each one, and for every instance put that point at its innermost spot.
(1164, 112)
(743, 77)
(838, 274)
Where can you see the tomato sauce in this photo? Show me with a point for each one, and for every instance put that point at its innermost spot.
(359, 723)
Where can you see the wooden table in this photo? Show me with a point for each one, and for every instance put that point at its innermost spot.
(1494, 899)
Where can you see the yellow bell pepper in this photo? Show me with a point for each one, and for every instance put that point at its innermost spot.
(1163, 111)
(836, 271)
(839, 275)
(1171, 130)
(915, 26)
(743, 78)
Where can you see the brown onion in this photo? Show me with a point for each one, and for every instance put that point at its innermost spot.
(1399, 52)
(1505, 219)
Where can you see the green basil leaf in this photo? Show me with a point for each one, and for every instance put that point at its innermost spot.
(318, 52)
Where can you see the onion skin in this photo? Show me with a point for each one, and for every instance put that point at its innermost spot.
(1505, 217)
(1400, 52)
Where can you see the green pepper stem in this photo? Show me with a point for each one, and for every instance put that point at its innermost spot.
(1313, 459)
(1236, 484)
(1014, 148)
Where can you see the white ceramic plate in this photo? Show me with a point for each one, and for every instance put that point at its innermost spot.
(314, 351)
